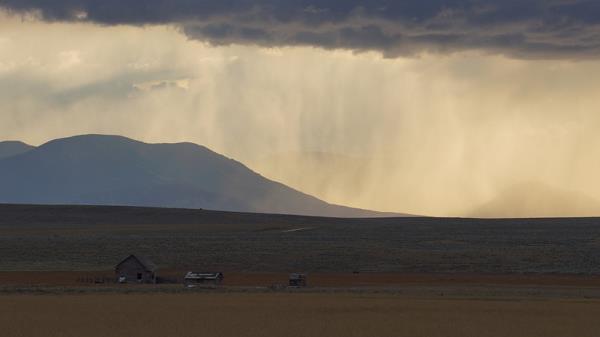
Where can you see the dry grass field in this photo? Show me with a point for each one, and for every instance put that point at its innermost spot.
(292, 315)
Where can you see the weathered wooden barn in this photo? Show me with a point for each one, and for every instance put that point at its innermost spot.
(136, 269)
(203, 278)
(297, 280)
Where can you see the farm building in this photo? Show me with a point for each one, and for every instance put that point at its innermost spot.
(297, 280)
(136, 269)
(202, 278)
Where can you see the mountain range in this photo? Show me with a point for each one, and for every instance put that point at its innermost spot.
(114, 170)
(536, 199)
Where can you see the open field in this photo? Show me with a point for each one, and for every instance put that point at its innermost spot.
(368, 277)
(75, 238)
(292, 315)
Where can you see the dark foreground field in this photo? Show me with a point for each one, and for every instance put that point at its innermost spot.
(75, 238)
(292, 315)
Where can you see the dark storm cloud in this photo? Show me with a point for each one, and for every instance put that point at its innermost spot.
(528, 29)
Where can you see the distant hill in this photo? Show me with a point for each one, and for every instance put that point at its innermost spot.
(12, 148)
(114, 170)
(538, 200)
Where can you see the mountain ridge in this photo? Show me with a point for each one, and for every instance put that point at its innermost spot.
(115, 170)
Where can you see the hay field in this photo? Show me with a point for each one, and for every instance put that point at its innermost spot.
(278, 314)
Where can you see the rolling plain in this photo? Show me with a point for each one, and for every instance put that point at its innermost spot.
(79, 238)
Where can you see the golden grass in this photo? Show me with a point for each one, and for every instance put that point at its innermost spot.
(291, 315)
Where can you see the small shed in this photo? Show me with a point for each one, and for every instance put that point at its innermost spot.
(136, 269)
(297, 280)
(193, 277)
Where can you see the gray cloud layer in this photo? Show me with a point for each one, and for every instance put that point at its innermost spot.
(523, 29)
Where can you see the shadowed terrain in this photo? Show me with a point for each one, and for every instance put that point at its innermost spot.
(96, 238)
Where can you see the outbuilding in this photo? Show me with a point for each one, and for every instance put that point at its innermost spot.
(136, 269)
(297, 280)
(193, 277)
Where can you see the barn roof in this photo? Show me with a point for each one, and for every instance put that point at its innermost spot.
(144, 261)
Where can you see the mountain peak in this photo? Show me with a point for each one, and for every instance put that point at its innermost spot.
(89, 139)
(112, 141)
(13, 148)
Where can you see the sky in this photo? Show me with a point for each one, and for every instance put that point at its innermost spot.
(446, 108)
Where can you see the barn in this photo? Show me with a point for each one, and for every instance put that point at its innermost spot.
(136, 269)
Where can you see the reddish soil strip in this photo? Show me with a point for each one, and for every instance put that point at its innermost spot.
(69, 278)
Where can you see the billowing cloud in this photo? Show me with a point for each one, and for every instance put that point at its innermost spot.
(568, 29)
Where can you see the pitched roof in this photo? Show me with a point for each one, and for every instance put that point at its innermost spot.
(144, 261)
